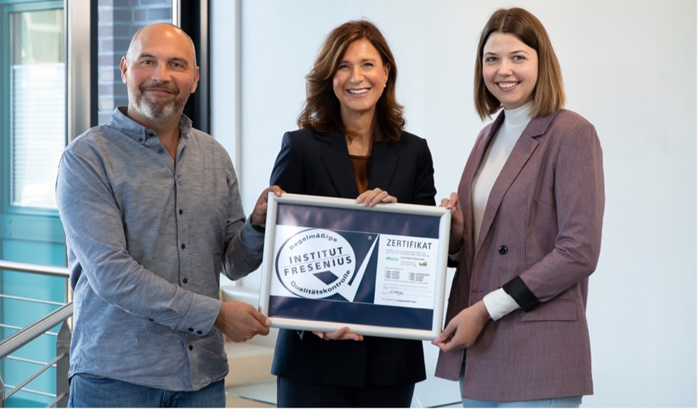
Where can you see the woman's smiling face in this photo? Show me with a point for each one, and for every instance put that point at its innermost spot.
(360, 79)
(510, 69)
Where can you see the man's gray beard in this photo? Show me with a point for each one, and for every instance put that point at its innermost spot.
(155, 111)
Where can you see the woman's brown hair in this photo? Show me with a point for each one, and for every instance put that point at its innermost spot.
(322, 108)
(549, 92)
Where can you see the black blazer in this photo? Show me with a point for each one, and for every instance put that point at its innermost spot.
(315, 164)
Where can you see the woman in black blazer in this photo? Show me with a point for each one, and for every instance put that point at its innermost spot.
(351, 144)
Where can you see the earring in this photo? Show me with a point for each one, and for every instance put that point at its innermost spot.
(384, 85)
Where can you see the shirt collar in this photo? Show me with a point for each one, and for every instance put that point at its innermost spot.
(519, 116)
(136, 131)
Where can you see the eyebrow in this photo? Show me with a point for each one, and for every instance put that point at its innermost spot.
(177, 59)
(363, 60)
(181, 60)
(512, 52)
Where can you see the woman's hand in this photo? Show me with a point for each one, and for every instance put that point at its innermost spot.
(371, 198)
(457, 225)
(464, 328)
(341, 334)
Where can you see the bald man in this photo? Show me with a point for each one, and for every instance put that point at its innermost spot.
(152, 214)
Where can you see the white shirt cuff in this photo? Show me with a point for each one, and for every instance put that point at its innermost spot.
(499, 304)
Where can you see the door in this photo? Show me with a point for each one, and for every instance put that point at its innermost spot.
(32, 137)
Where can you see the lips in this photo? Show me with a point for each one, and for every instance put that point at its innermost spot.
(507, 85)
(158, 88)
(358, 91)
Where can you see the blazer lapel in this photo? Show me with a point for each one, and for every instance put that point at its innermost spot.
(382, 165)
(466, 186)
(521, 153)
(337, 161)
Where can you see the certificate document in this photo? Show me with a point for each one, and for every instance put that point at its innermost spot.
(330, 263)
(407, 270)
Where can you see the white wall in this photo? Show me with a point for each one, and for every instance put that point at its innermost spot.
(629, 67)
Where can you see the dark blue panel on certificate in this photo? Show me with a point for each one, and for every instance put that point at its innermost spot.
(358, 220)
(344, 312)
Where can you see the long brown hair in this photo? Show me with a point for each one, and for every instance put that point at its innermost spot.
(322, 108)
(549, 91)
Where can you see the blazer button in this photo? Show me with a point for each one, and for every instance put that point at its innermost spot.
(502, 250)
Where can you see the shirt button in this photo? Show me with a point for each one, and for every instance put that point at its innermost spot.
(161, 151)
(182, 246)
(191, 348)
(181, 211)
(199, 332)
(151, 134)
(151, 319)
(502, 250)
(190, 329)
(184, 280)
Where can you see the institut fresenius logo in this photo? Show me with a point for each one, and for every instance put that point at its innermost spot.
(318, 263)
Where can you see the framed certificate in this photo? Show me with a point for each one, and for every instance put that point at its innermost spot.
(330, 263)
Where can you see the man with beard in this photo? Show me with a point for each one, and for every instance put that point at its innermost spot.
(152, 214)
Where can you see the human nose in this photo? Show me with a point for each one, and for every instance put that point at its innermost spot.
(356, 75)
(504, 68)
(161, 72)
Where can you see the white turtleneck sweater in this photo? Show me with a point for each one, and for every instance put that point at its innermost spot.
(498, 303)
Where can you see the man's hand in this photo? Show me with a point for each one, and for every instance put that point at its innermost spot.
(463, 329)
(259, 216)
(340, 334)
(371, 198)
(241, 321)
(457, 224)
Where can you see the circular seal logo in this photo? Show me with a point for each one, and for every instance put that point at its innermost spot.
(315, 263)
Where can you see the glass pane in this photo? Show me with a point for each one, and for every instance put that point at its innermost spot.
(117, 21)
(37, 78)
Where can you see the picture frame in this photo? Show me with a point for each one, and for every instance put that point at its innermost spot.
(330, 263)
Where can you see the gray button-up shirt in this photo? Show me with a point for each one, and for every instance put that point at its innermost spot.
(147, 238)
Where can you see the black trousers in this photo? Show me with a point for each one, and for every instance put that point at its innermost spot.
(293, 393)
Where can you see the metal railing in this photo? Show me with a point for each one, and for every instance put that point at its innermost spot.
(39, 328)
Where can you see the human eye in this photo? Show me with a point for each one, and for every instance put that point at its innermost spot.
(343, 66)
(368, 64)
(490, 59)
(518, 57)
(146, 62)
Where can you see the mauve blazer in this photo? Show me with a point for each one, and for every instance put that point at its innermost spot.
(540, 240)
(316, 164)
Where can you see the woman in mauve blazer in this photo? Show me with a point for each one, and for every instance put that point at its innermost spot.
(516, 319)
(330, 156)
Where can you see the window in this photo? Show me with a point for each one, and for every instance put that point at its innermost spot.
(37, 73)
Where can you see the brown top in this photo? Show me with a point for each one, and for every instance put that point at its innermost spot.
(360, 166)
